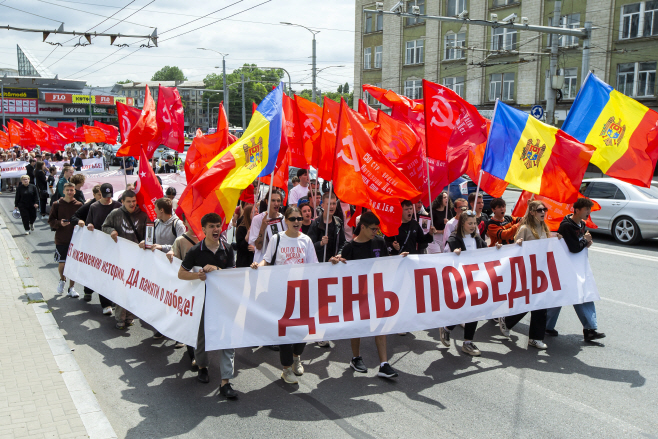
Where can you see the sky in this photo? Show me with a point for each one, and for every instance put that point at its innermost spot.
(249, 31)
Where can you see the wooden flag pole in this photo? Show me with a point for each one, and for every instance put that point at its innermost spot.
(429, 190)
(326, 225)
(125, 177)
(477, 190)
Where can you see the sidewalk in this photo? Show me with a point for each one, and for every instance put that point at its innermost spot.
(43, 392)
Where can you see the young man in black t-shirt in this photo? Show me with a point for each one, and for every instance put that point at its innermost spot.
(365, 246)
(410, 237)
(213, 253)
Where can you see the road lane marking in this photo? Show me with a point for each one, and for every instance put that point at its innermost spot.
(630, 304)
(623, 253)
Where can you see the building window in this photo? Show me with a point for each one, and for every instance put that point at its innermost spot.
(410, 21)
(369, 99)
(374, 22)
(456, 84)
(503, 39)
(636, 79)
(650, 19)
(630, 20)
(413, 88)
(453, 43)
(497, 3)
(379, 51)
(414, 52)
(367, 54)
(501, 86)
(570, 87)
(571, 21)
(456, 7)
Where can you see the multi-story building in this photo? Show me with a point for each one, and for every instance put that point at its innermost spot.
(191, 93)
(484, 63)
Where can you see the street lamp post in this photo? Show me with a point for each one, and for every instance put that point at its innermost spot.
(313, 57)
(2, 100)
(244, 113)
(223, 55)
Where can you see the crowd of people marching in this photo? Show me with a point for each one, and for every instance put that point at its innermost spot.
(309, 220)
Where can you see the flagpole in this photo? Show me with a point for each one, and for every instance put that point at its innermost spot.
(415, 217)
(125, 177)
(477, 190)
(326, 226)
(429, 189)
(269, 197)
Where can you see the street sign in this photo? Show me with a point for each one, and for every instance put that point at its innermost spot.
(537, 111)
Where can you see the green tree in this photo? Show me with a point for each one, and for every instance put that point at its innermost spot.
(346, 88)
(257, 84)
(167, 73)
(124, 82)
(340, 89)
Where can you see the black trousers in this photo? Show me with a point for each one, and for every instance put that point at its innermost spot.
(537, 323)
(105, 302)
(469, 330)
(286, 351)
(28, 215)
(43, 202)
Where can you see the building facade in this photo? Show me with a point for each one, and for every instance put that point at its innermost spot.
(197, 109)
(484, 63)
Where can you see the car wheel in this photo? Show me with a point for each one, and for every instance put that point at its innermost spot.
(626, 231)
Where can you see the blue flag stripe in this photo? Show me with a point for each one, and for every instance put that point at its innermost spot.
(506, 129)
(590, 101)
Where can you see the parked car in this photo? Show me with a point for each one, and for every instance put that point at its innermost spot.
(111, 154)
(463, 186)
(629, 213)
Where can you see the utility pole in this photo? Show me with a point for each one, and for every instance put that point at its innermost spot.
(90, 112)
(2, 88)
(224, 78)
(314, 73)
(585, 67)
(313, 58)
(550, 96)
(244, 113)
(208, 111)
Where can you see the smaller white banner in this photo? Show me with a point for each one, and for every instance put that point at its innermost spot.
(12, 169)
(142, 281)
(89, 166)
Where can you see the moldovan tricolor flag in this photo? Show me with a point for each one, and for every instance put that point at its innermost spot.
(364, 177)
(623, 131)
(534, 156)
(254, 154)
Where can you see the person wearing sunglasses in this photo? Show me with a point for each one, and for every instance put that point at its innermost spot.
(286, 248)
(532, 227)
(465, 238)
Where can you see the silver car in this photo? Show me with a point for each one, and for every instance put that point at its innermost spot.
(629, 213)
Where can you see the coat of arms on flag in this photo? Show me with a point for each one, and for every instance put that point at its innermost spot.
(532, 154)
(613, 132)
(253, 153)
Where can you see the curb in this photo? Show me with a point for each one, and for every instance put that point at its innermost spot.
(91, 414)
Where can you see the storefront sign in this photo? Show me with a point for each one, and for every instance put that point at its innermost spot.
(51, 110)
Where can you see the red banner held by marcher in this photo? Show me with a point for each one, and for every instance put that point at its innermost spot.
(328, 129)
(141, 132)
(147, 189)
(310, 120)
(170, 119)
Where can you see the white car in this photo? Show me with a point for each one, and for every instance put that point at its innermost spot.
(629, 213)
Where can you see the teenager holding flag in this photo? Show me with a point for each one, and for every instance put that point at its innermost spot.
(285, 248)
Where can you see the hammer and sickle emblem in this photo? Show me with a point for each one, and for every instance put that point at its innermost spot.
(445, 119)
(331, 127)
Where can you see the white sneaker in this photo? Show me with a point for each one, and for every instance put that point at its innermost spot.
(297, 366)
(289, 376)
(27, 232)
(324, 344)
(539, 344)
(60, 287)
(503, 327)
(107, 311)
(73, 293)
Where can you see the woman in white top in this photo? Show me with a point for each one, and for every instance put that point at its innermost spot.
(290, 247)
(465, 238)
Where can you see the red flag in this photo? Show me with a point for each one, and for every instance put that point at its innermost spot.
(55, 141)
(310, 119)
(198, 132)
(15, 132)
(366, 111)
(402, 146)
(281, 176)
(364, 177)
(128, 117)
(293, 134)
(68, 130)
(143, 131)
(392, 99)
(556, 210)
(443, 107)
(248, 195)
(110, 132)
(493, 186)
(170, 119)
(254, 106)
(205, 148)
(90, 134)
(33, 135)
(5, 143)
(147, 188)
(330, 112)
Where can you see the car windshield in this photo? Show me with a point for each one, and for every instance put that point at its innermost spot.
(649, 192)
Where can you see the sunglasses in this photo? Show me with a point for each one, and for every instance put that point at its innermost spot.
(540, 210)
(292, 219)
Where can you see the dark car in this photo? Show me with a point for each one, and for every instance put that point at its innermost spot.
(461, 187)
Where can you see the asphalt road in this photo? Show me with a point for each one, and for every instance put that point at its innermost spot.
(574, 389)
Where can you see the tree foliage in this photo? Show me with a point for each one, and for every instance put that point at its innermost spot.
(168, 73)
(124, 82)
(257, 84)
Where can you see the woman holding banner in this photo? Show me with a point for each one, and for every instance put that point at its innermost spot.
(532, 227)
(465, 238)
(290, 247)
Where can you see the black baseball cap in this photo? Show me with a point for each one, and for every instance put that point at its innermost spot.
(107, 191)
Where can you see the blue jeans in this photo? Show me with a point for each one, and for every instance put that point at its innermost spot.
(586, 313)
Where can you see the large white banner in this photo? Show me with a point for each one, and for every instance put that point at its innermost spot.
(142, 281)
(17, 168)
(296, 303)
(12, 169)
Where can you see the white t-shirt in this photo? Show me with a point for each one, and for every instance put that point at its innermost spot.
(470, 243)
(450, 227)
(297, 193)
(254, 230)
(291, 251)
